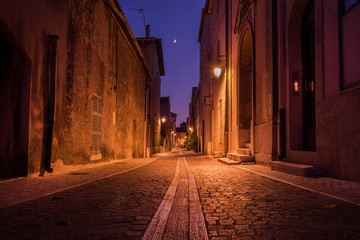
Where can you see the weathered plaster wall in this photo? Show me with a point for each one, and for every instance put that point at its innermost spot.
(338, 114)
(94, 56)
(263, 81)
(337, 111)
(213, 49)
(338, 135)
(101, 62)
(206, 80)
(149, 49)
(31, 24)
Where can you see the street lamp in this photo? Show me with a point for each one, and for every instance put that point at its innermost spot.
(191, 129)
(163, 120)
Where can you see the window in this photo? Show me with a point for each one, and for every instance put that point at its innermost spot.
(349, 43)
(96, 127)
(348, 4)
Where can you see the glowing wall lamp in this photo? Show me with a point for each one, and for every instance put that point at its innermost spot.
(296, 86)
(217, 72)
(163, 120)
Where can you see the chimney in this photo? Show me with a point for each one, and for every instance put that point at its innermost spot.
(147, 31)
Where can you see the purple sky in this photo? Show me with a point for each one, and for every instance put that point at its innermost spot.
(170, 20)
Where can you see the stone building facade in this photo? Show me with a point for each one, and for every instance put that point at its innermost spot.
(153, 53)
(289, 89)
(74, 85)
(194, 108)
(168, 123)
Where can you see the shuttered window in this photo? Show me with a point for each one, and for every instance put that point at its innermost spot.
(96, 127)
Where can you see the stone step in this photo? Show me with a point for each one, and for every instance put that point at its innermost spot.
(218, 154)
(295, 168)
(228, 161)
(248, 163)
(248, 145)
(243, 151)
(240, 157)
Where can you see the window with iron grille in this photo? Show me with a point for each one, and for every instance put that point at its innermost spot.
(96, 127)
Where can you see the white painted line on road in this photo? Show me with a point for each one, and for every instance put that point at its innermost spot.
(157, 225)
(197, 227)
(299, 186)
(80, 184)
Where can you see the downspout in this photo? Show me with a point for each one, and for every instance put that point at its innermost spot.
(46, 163)
(227, 78)
(145, 116)
(275, 90)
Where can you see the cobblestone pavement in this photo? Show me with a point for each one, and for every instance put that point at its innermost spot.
(343, 189)
(119, 201)
(24, 189)
(239, 204)
(117, 207)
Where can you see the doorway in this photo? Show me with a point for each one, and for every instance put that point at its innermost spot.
(308, 86)
(14, 102)
(245, 80)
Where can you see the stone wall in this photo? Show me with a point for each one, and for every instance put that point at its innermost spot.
(98, 64)
(101, 64)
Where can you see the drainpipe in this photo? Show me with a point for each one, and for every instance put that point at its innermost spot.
(146, 116)
(227, 78)
(46, 163)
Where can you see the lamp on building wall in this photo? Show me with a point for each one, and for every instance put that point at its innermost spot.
(163, 120)
(217, 72)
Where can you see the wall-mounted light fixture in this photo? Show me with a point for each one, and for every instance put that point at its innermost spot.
(296, 86)
(163, 120)
(217, 72)
(295, 83)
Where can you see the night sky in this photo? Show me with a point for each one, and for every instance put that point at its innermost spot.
(172, 20)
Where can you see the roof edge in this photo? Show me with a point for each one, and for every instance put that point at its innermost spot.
(116, 11)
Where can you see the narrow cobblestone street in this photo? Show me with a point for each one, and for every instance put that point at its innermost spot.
(175, 196)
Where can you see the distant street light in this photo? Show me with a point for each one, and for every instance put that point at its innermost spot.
(163, 120)
(191, 129)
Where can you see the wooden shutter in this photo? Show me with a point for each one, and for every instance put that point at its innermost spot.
(96, 127)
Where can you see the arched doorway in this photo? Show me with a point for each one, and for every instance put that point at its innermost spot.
(14, 102)
(308, 85)
(302, 76)
(245, 80)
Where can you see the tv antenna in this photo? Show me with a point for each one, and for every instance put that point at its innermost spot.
(140, 10)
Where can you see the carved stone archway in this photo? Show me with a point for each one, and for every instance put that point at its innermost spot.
(245, 85)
